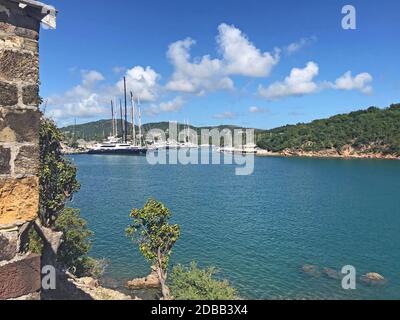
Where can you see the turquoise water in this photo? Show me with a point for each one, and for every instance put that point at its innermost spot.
(258, 230)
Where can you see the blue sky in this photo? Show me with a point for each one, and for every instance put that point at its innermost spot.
(254, 63)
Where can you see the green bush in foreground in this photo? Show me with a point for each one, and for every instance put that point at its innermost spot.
(74, 250)
(193, 283)
(35, 243)
(57, 175)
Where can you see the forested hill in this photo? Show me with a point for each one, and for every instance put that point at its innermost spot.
(101, 129)
(367, 131)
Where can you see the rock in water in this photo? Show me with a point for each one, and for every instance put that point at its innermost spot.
(311, 270)
(149, 282)
(331, 273)
(89, 282)
(373, 278)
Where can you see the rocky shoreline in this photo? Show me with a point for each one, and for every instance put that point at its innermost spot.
(329, 153)
(346, 153)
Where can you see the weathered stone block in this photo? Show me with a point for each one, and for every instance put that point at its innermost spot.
(7, 135)
(8, 245)
(20, 277)
(8, 94)
(12, 42)
(15, 65)
(31, 45)
(30, 95)
(23, 125)
(27, 160)
(5, 156)
(19, 200)
(9, 29)
(27, 33)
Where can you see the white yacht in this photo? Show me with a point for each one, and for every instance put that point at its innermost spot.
(119, 146)
(113, 145)
(245, 149)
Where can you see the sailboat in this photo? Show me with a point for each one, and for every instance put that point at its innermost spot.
(120, 145)
(188, 144)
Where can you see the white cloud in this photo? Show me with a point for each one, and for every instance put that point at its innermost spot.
(89, 78)
(80, 101)
(170, 106)
(360, 82)
(203, 74)
(173, 105)
(142, 82)
(90, 99)
(240, 56)
(200, 75)
(299, 82)
(225, 115)
(255, 109)
(85, 108)
(297, 46)
(118, 70)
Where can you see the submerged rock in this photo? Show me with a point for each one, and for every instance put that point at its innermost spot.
(331, 273)
(373, 278)
(149, 282)
(311, 270)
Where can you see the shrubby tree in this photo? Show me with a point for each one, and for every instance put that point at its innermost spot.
(151, 230)
(60, 234)
(57, 175)
(76, 245)
(193, 283)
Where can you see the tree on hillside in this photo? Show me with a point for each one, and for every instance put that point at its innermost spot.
(151, 230)
(367, 131)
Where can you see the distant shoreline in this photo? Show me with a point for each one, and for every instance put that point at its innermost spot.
(327, 154)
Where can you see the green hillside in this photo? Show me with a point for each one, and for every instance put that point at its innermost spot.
(101, 129)
(373, 130)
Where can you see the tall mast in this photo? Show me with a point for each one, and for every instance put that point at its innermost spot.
(116, 119)
(126, 113)
(74, 130)
(112, 119)
(140, 123)
(133, 120)
(121, 120)
(187, 130)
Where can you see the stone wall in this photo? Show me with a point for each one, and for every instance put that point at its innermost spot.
(19, 130)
